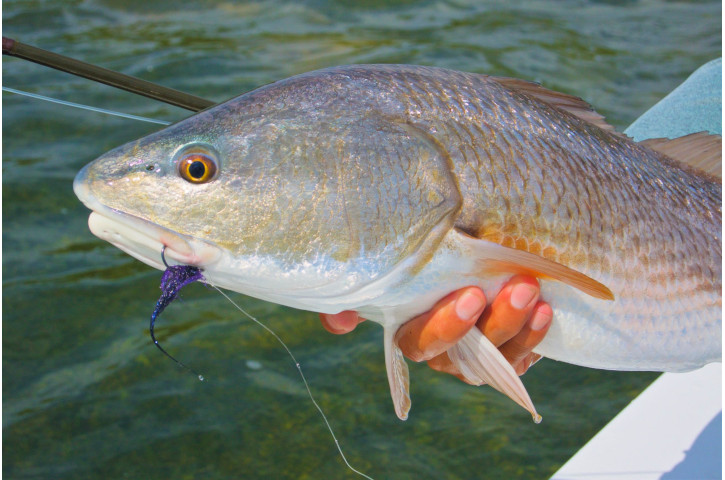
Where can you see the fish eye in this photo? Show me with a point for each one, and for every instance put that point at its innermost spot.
(196, 167)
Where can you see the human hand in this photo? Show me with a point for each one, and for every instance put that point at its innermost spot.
(515, 322)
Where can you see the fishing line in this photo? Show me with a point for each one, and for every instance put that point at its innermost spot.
(302, 375)
(84, 107)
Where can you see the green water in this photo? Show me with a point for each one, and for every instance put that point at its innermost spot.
(86, 395)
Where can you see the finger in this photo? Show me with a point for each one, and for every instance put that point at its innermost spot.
(510, 310)
(518, 350)
(442, 363)
(527, 363)
(437, 330)
(340, 323)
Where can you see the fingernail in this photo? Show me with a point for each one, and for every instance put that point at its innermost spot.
(522, 295)
(468, 305)
(540, 321)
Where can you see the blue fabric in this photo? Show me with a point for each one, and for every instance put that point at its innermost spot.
(694, 106)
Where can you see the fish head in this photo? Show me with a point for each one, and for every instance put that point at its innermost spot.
(141, 203)
(287, 193)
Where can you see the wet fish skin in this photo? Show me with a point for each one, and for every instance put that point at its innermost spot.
(377, 188)
(544, 182)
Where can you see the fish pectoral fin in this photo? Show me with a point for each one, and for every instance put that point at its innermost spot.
(481, 362)
(495, 259)
(398, 376)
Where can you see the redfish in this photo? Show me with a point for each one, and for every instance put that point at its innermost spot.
(381, 188)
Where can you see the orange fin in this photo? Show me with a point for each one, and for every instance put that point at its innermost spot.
(497, 259)
(701, 151)
(569, 103)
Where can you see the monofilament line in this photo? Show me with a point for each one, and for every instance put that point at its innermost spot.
(84, 107)
(302, 375)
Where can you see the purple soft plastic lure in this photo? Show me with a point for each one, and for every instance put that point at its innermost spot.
(174, 279)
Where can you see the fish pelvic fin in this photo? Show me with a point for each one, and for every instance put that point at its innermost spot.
(481, 362)
(398, 376)
(495, 259)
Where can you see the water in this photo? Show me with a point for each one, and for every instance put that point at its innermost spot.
(86, 394)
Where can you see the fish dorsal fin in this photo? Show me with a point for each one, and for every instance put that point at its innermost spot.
(569, 103)
(497, 259)
(701, 150)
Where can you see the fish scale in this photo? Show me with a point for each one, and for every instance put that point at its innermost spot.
(636, 199)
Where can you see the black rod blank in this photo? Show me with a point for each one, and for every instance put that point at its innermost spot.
(104, 75)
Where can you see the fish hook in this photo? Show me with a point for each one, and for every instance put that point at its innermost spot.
(163, 258)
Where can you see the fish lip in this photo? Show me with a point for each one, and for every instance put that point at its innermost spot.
(141, 238)
(144, 240)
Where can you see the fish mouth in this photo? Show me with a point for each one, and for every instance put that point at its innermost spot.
(144, 240)
(141, 238)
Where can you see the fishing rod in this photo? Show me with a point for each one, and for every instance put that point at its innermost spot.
(125, 82)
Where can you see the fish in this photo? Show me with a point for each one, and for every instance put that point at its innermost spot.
(382, 188)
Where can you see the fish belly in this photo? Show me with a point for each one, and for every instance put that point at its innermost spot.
(672, 332)
(631, 333)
